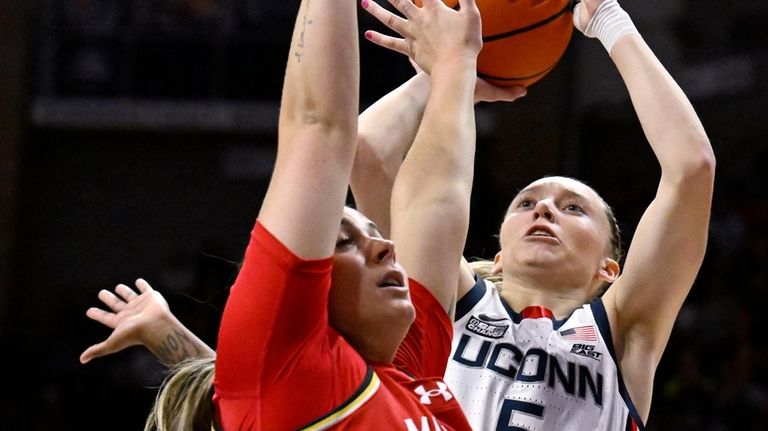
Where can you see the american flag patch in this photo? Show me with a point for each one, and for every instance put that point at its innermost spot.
(580, 333)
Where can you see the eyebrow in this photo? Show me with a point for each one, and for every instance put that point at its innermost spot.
(372, 228)
(564, 190)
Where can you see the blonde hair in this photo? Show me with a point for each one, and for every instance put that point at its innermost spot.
(484, 268)
(184, 401)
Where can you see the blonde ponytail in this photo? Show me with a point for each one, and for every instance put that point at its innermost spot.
(184, 401)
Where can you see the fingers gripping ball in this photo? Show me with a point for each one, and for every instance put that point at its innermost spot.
(522, 39)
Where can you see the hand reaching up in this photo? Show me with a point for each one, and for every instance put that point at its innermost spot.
(142, 318)
(429, 33)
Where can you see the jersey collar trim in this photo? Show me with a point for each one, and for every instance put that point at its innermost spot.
(465, 304)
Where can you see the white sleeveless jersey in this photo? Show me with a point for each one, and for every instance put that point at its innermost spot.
(516, 373)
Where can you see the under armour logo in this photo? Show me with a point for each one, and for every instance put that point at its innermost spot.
(441, 391)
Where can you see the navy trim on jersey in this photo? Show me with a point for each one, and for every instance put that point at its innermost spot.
(631, 425)
(601, 318)
(476, 293)
(465, 304)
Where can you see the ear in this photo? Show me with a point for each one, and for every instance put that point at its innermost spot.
(609, 270)
(496, 264)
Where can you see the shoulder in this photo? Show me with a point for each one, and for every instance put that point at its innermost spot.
(476, 297)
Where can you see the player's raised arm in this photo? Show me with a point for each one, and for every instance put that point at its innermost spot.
(430, 201)
(301, 213)
(669, 243)
(317, 130)
(386, 131)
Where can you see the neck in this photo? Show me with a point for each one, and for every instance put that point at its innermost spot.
(521, 292)
(379, 348)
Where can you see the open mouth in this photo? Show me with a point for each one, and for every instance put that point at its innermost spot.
(392, 279)
(540, 232)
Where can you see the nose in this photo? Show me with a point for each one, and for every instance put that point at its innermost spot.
(382, 250)
(544, 209)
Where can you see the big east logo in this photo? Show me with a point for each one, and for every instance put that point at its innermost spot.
(587, 350)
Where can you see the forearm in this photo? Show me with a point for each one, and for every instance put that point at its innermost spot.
(446, 155)
(670, 123)
(317, 130)
(172, 342)
(430, 202)
(321, 78)
(386, 131)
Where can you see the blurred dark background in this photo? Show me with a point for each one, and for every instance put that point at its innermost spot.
(137, 137)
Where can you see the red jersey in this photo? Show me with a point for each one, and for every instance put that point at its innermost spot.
(280, 366)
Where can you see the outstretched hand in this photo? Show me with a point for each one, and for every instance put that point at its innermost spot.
(130, 315)
(421, 55)
(429, 32)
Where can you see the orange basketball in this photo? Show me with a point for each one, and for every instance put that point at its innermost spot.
(522, 39)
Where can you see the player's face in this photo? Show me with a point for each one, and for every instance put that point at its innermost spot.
(369, 297)
(556, 227)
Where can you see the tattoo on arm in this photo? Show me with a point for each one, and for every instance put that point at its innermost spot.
(305, 22)
(176, 347)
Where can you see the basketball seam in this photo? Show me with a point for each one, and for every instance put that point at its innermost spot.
(535, 25)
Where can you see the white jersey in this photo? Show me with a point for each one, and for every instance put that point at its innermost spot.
(522, 372)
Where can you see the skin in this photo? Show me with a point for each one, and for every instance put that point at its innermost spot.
(142, 319)
(369, 303)
(566, 267)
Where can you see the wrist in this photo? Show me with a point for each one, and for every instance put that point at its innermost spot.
(155, 330)
(609, 23)
(454, 65)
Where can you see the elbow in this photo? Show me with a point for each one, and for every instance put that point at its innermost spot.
(698, 166)
(372, 166)
(311, 113)
(328, 123)
(702, 164)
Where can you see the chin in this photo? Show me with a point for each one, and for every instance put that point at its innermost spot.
(405, 308)
(540, 260)
(411, 313)
(401, 313)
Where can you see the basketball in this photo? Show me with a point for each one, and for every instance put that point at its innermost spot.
(522, 39)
